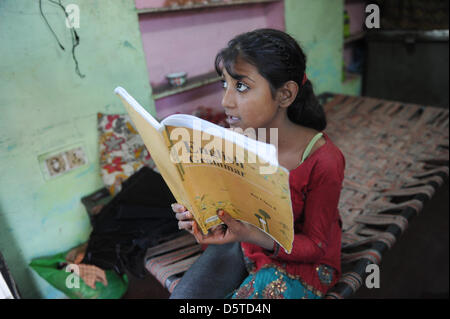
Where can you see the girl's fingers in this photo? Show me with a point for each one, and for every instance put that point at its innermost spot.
(230, 222)
(184, 216)
(197, 233)
(215, 237)
(178, 208)
(187, 225)
(219, 228)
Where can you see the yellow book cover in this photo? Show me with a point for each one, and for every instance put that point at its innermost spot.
(208, 167)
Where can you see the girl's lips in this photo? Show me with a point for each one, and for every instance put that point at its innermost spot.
(233, 120)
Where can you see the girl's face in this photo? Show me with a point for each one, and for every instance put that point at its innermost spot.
(248, 102)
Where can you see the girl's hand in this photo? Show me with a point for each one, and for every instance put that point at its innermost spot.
(233, 231)
(184, 217)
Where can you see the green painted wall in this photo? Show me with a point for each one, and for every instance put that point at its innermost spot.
(352, 86)
(318, 26)
(45, 106)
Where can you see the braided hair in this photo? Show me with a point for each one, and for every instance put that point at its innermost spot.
(279, 59)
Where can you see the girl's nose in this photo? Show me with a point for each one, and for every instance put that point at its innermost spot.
(228, 100)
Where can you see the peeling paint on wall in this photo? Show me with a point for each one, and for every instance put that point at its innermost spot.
(127, 44)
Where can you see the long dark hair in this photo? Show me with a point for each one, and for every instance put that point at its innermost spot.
(279, 59)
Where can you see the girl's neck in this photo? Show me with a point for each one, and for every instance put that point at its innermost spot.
(291, 140)
(290, 136)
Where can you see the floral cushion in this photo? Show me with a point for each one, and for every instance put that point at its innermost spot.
(122, 150)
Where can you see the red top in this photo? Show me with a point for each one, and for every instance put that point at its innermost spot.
(315, 189)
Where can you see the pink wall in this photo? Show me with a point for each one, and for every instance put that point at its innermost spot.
(142, 4)
(356, 11)
(209, 96)
(189, 40)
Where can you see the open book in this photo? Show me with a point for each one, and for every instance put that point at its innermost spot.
(208, 167)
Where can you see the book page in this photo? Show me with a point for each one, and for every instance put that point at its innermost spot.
(265, 151)
(215, 178)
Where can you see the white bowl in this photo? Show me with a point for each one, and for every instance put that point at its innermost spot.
(177, 79)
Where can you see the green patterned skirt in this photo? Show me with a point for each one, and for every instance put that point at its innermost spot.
(271, 283)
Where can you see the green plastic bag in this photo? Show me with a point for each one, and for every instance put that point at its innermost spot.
(47, 268)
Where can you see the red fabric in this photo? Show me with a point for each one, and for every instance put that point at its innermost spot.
(304, 79)
(315, 189)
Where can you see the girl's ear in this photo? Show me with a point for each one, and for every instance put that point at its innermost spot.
(287, 93)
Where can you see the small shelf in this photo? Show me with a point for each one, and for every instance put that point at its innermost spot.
(355, 37)
(165, 90)
(202, 6)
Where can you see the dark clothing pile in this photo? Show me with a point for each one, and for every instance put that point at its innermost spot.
(137, 218)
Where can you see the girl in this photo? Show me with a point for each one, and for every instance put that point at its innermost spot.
(265, 86)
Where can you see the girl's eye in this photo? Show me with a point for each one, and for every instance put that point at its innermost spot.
(241, 87)
(224, 84)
